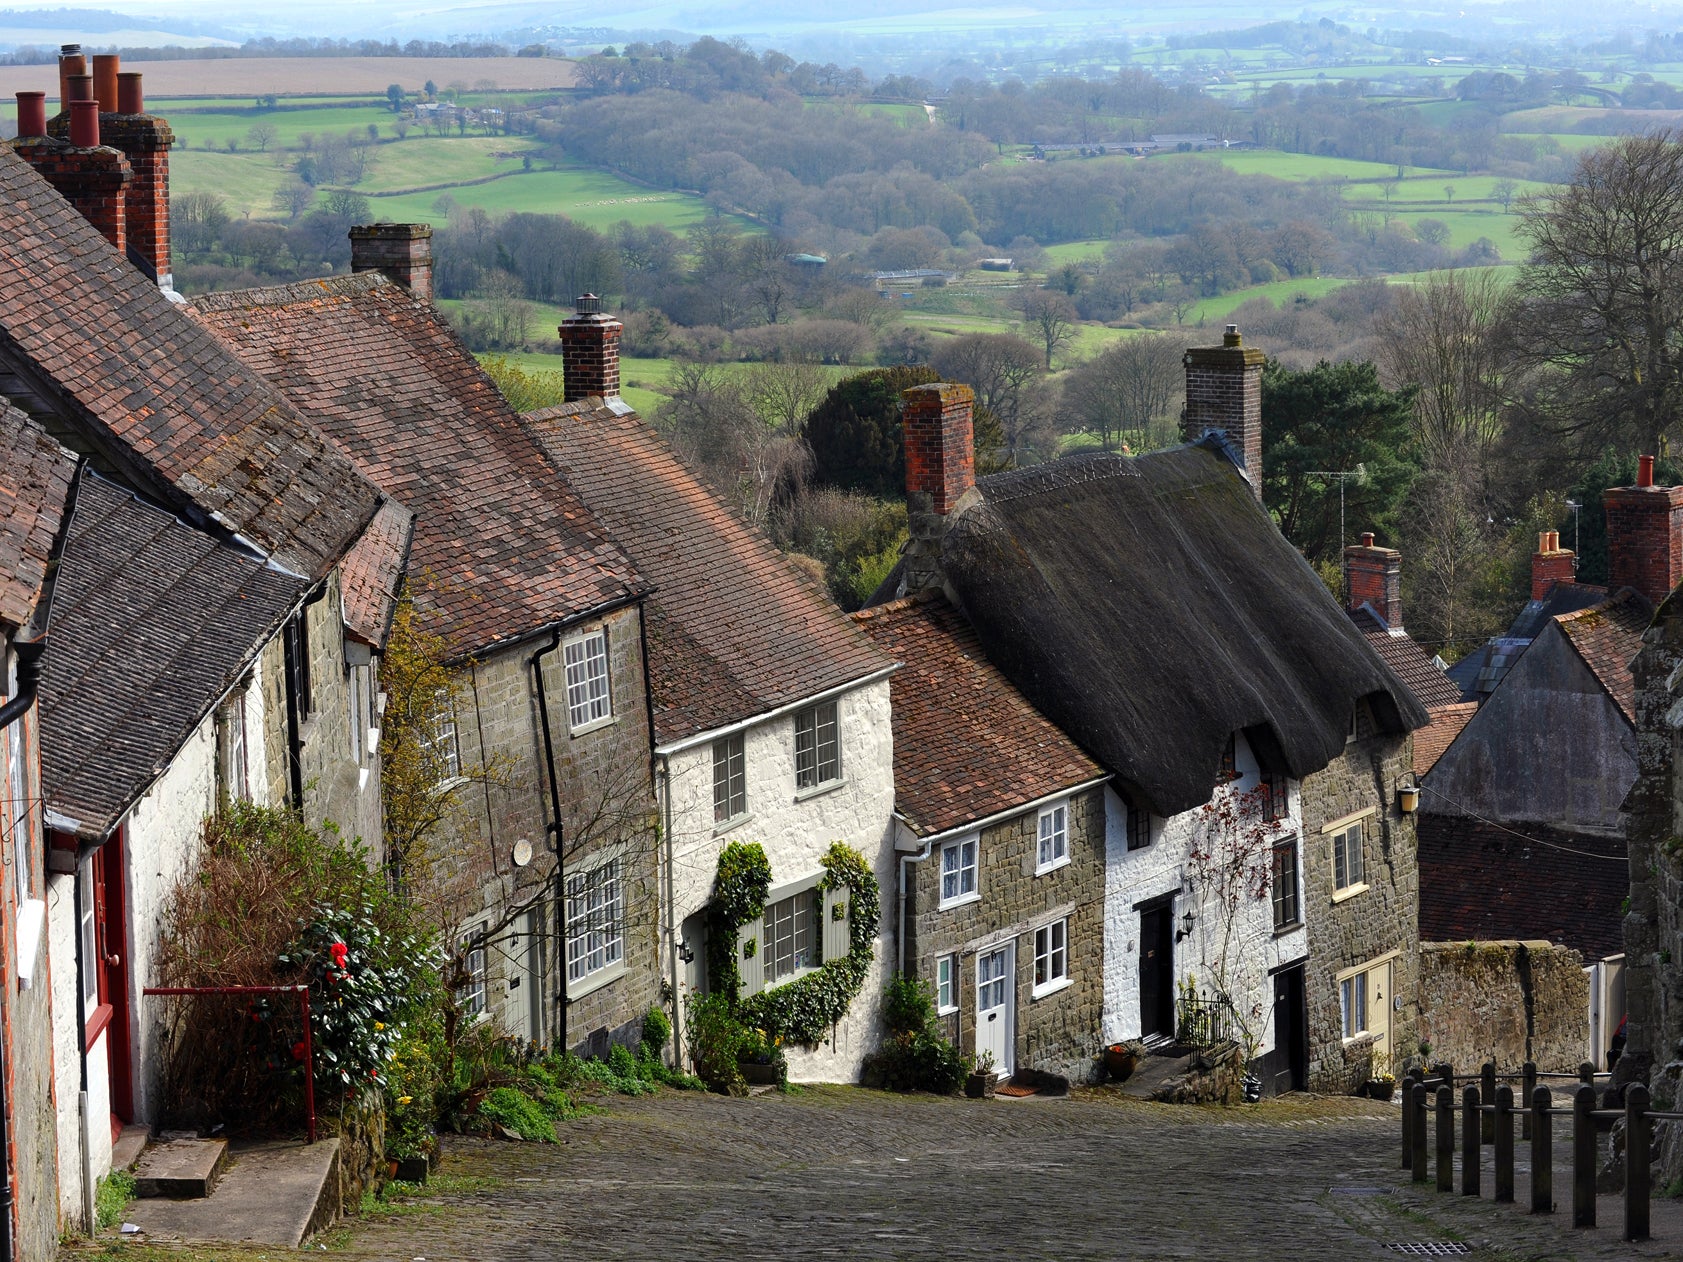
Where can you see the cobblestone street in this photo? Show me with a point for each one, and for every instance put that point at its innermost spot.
(842, 1173)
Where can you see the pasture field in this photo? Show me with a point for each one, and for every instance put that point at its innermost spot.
(642, 380)
(1561, 120)
(243, 78)
(1301, 166)
(584, 194)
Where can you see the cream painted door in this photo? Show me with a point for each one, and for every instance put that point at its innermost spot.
(996, 977)
(1379, 1000)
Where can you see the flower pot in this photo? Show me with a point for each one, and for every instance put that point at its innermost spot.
(1380, 1090)
(1120, 1062)
(758, 1073)
(411, 1169)
(980, 1085)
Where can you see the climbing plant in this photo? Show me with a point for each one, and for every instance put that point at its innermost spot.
(739, 895)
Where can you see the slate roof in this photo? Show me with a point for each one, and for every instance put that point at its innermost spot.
(1484, 883)
(1608, 637)
(372, 574)
(35, 478)
(153, 623)
(735, 628)
(504, 546)
(1410, 663)
(1151, 608)
(1431, 741)
(1478, 673)
(154, 394)
(967, 745)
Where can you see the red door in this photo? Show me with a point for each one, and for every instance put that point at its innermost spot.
(110, 925)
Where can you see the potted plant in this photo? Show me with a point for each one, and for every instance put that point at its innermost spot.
(1122, 1059)
(1381, 1086)
(760, 1059)
(982, 1080)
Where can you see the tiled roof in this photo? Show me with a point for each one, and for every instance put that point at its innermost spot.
(35, 476)
(373, 572)
(1608, 636)
(153, 393)
(1410, 663)
(1478, 673)
(967, 745)
(1430, 741)
(503, 546)
(740, 630)
(1485, 883)
(153, 622)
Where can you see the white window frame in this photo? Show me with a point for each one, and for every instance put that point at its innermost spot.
(1052, 837)
(1352, 880)
(1352, 993)
(590, 702)
(1051, 957)
(730, 759)
(946, 985)
(89, 932)
(19, 809)
(966, 868)
(813, 771)
(802, 905)
(595, 921)
(237, 764)
(443, 742)
(472, 997)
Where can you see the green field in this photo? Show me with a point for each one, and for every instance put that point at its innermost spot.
(583, 194)
(1299, 166)
(641, 380)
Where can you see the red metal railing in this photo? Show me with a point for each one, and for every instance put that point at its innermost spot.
(303, 993)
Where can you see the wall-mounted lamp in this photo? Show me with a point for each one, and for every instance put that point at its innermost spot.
(685, 954)
(1408, 796)
(1187, 920)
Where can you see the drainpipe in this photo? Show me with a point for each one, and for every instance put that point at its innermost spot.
(552, 828)
(17, 705)
(900, 944)
(664, 797)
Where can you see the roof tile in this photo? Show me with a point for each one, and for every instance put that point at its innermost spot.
(35, 478)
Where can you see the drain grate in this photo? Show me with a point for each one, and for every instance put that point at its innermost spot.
(1431, 1248)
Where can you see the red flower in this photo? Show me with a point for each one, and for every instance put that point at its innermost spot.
(298, 1050)
(340, 952)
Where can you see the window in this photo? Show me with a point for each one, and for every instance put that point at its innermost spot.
(1287, 913)
(1230, 760)
(18, 810)
(295, 646)
(1139, 826)
(1348, 870)
(1273, 796)
(595, 921)
(230, 723)
(1352, 999)
(817, 747)
(1054, 837)
(470, 997)
(588, 701)
(358, 712)
(442, 745)
(1051, 957)
(946, 984)
(93, 975)
(791, 939)
(958, 872)
(730, 779)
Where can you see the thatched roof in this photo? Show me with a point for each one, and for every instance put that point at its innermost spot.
(1151, 609)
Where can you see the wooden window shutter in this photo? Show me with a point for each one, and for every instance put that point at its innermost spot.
(837, 912)
(751, 956)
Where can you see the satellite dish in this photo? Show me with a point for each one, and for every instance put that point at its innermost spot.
(522, 853)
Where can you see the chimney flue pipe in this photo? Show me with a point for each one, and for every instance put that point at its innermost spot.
(32, 114)
(105, 82)
(130, 98)
(84, 124)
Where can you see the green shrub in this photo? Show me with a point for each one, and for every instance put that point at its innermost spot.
(513, 1109)
(915, 1057)
(657, 1028)
(716, 1040)
(909, 1007)
(112, 1195)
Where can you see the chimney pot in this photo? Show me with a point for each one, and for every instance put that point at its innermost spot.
(1367, 538)
(131, 99)
(587, 304)
(1373, 577)
(105, 81)
(70, 61)
(1230, 336)
(589, 352)
(1644, 471)
(32, 114)
(84, 124)
(81, 88)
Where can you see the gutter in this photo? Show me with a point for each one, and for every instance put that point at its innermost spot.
(788, 707)
(900, 941)
(976, 825)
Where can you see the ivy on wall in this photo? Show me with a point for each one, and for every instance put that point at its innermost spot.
(803, 1010)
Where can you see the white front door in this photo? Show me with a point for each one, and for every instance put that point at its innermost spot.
(995, 986)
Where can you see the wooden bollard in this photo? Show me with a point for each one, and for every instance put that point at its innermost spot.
(1471, 1118)
(1637, 1177)
(1487, 1093)
(1407, 1087)
(1583, 1154)
(1417, 1158)
(1542, 1154)
(1504, 1120)
(1446, 1139)
(1527, 1089)
(1586, 1072)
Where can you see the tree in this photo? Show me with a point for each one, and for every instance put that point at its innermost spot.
(1504, 191)
(351, 207)
(1328, 419)
(1602, 314)
(1128, 391)
(855, 435)
(1005, 372)
(395, 97)
(1052, 318)
(260, 136)
(293, 198)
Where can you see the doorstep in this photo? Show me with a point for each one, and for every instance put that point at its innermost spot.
(274, 1193)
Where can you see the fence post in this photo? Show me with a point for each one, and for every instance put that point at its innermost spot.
(1542, 1154)
(1586, 1072)
(1527, 1088)
(1505, 1144)
(1407, 1087)
(1472, 1119)
(1443, 1069)
(1417, 1158)
(1583, 1154)
(1487, 1093)
(1446, 1139)
(1637, 1179)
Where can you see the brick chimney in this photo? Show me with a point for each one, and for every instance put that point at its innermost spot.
(92, 177)
(1644, 535)
(939, 429)
(1224, 395)
(403, 251)
(1550, 564)
(590, 352)
(1373, 577)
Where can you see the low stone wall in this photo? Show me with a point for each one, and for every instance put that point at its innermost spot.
(1215, 1075)
(1509, 1002)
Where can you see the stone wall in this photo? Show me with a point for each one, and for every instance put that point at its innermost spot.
(1057, 1033)
(1509, 1002)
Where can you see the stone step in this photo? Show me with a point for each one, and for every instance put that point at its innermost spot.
(180, 1169)
(275, 1194)
(129, 1145)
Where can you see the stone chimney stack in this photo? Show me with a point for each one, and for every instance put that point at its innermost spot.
(938, 423)
(1550, 564)
(1644, 535)
(1224, 395)
(90, 176)
(590, 352)
(403, 251)
(1373, 577)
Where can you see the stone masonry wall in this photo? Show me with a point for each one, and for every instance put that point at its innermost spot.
(1509, 1002)
(1370, 925)
(1060, 1032)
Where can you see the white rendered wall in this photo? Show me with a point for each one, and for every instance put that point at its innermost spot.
(795, 831)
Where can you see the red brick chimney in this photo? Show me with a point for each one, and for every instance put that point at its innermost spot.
(92, 177)
(590, 352)
(1550, 564)
(1373, 577)
(403, 251)
(1644, 534)
(1224, 395)
(939, 429)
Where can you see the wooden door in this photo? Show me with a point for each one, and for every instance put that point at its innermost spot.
(1289, 1061)
(995, 988)
(111, 966)
(1157, 971)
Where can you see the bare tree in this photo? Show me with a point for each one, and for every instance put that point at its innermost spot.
(260, 136)
(782, 394)
(1051, 318)
(1129, 392)
(293, 198)
(1005, 372)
